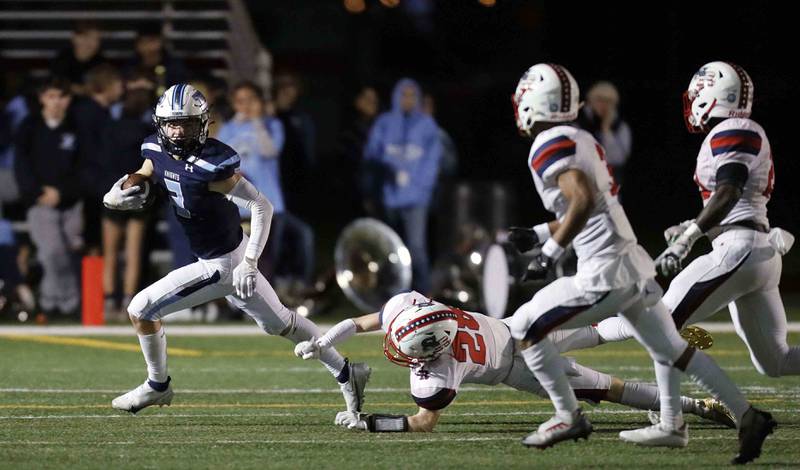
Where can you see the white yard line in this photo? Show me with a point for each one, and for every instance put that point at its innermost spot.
(232, 330)
(368, 441)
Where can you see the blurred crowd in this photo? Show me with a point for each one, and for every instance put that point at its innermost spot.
(66, 138)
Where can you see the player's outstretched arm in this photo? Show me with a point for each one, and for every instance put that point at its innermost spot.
(424, 421)
(339, 333)
(242, 193)
(131, 198)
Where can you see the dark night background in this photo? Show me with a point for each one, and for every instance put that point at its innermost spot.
(471, 57)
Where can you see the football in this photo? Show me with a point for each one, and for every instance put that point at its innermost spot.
(144, 183)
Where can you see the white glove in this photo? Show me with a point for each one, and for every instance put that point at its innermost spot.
(124, 199)
(244, 278)
(670, 261)
(350, 420)
(673, 233)
(307, 349)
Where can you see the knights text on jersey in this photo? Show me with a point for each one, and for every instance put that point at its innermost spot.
(211, 222)
(482, 353)
(607, 239)
(738, 140)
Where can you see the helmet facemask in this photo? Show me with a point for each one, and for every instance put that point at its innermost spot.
(189, 141)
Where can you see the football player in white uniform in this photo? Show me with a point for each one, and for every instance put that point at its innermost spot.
(735, 175)
(614, 275)
(445, 347)
(202, 179)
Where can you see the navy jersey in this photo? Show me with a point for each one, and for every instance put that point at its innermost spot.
(211, 222)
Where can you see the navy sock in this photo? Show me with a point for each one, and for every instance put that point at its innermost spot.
(344, 375)
(159, 386)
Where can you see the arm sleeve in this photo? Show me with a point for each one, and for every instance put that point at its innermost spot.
(246, 196)
(340, 332)
(735, 145)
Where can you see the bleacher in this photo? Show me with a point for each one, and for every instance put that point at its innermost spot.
(216, 36)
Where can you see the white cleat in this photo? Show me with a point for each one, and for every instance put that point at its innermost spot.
(353, 389)
(555, 430)
(657, 435)
(141, 397)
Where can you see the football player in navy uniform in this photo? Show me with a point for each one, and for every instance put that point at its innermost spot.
(200, 175)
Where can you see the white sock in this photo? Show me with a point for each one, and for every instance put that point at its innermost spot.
(154, 348)
(641, 396)
(543, 360)
(614, 329)
(303, 330)
(578, 338)
(703, 370)
(669, 389)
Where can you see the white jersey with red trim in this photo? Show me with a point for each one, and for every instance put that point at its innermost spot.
(609, 256)
(738, 140)
(482, 353)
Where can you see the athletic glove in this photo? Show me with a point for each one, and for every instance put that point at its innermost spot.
(117, 198)
(244, 278)
(670, 262)
(307, 349)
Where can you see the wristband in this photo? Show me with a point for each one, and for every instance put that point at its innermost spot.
(552, 249)
(542, 231)
(387, 423)
(692, 234)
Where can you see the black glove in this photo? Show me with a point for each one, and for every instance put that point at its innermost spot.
(523, 238)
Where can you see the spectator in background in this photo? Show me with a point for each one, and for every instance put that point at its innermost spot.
(11, 117)
(152, 58)
(92, 117)
(346, 168)
(402, 155)
(600, 116)
(73, 63)
(298, 156)
(47, 162)
(123, 141)
(258, 137)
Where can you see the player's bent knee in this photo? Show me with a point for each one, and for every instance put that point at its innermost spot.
(138, 305)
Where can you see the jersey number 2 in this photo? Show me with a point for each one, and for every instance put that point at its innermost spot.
(468, 342)
(174, 189)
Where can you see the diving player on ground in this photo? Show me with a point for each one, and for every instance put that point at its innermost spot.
(469, 347)
(200, 175)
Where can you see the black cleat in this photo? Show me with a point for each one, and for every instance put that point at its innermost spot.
(756, 426)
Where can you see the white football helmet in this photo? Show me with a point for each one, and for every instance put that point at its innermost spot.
(420, 333)
(184, 104)
(547, 93)
(718, 89)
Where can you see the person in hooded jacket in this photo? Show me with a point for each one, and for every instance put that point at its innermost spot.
(401, 159)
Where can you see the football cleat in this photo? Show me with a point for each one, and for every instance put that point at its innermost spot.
(713, 410)
(657, 435)
(756, 426)
(555, 430)
(697, 337)
(143, 396)
(353, 389)
(709, 408)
